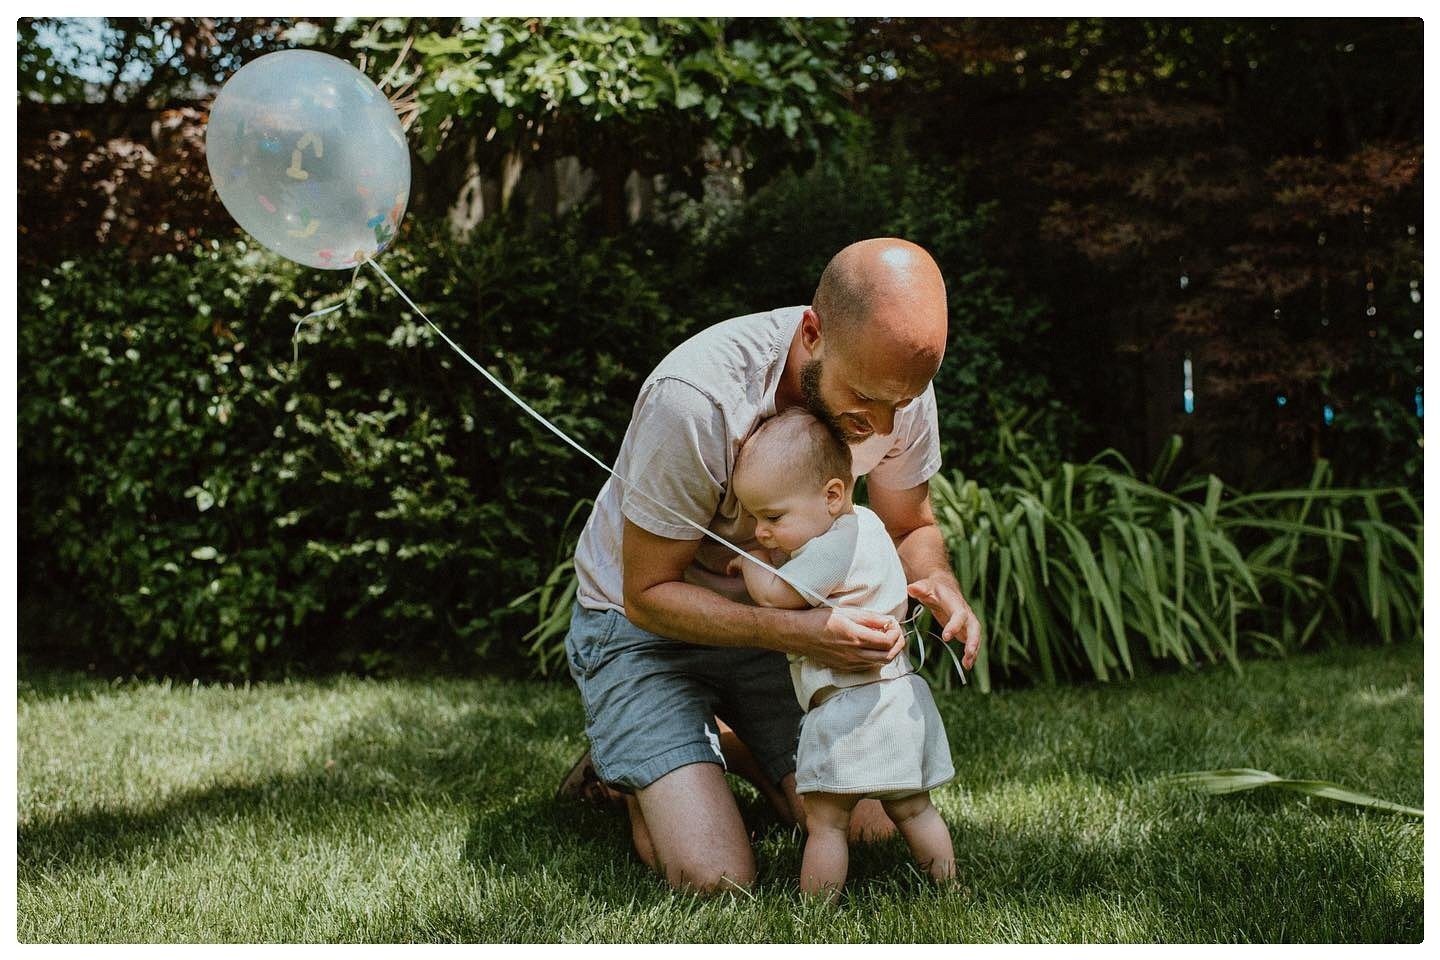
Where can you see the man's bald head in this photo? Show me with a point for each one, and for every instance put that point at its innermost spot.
(884, 292)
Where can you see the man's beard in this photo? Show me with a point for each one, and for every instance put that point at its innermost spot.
(810, 390)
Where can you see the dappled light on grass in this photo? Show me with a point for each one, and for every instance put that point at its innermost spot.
(423, 811)
(1374, 697)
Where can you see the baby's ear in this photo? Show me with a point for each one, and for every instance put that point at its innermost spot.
(835, 495)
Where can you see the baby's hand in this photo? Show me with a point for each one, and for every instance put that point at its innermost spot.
(736, 566)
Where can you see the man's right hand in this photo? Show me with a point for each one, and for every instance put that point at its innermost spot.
(848, 639)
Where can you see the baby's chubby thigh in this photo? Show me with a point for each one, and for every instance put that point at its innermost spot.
(829, 811)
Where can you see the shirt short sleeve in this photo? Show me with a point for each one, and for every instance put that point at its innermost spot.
(676, 465)
(915, 457)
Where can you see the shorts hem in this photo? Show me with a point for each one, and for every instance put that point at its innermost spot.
(777, 767)
(641, 775)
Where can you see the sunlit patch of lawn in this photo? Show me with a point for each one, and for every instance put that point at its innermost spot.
(406, 810)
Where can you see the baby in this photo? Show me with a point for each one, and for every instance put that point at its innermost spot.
(865, 734)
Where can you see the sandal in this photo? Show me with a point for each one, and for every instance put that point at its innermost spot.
(584, 785)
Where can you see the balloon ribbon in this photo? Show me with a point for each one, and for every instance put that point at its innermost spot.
(315, 315)
(539, 418)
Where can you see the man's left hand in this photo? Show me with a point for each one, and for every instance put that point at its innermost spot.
(941, 596)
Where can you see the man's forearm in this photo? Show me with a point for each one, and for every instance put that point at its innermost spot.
(684, 611)
(923, 554)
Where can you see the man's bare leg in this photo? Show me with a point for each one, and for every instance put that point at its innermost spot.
(640, 834)
(741, 762)
(690, 826)
(881, 827)
(868, 821)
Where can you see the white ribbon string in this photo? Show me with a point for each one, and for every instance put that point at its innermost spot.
(315, 315)
(539, 418)
(908, 624)
(295, 340)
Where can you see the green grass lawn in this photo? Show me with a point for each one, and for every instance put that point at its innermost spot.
(383, 811)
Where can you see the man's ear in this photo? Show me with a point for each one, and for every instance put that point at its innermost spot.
(810, 330)
(835, 496)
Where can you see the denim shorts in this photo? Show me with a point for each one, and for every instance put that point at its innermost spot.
(651, 702)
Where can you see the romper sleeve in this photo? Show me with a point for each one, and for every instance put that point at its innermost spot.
(823, 565)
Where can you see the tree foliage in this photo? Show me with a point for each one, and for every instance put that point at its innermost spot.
(135, 62)
(622, 93)
(697, 77)
(111, 130)
(80, 190)
(1243, 192)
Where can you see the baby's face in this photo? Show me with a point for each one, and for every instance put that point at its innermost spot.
(788, 514)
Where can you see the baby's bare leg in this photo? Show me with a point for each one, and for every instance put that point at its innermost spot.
(925, 833)
(827, 850)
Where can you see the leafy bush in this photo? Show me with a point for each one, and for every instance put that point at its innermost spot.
(192, 500)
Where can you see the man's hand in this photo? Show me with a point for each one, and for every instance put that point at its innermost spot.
(910, 519)
(941, 595)
(851, 639)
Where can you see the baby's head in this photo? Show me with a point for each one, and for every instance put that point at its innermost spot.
(794, 476)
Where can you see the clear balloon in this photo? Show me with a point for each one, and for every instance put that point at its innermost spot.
(309, 158)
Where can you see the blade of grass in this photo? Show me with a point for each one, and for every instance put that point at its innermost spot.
(1239, 779)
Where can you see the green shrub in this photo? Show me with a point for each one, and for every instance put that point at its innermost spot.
(193, 501)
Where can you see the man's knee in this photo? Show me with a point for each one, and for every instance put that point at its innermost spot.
(699, 874)
(698, 835)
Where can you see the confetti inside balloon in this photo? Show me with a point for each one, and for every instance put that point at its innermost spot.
(304, 152)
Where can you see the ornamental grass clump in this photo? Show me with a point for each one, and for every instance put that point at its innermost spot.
(1089, 570)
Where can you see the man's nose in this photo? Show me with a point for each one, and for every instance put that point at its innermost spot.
(882, 419)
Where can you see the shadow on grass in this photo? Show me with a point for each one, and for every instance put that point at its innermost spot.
(396, 752)
(526, 837)
(1197, 869)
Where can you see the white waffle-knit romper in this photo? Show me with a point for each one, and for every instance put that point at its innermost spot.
(875, 732)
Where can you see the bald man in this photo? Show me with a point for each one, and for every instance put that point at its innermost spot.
(679, 674)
